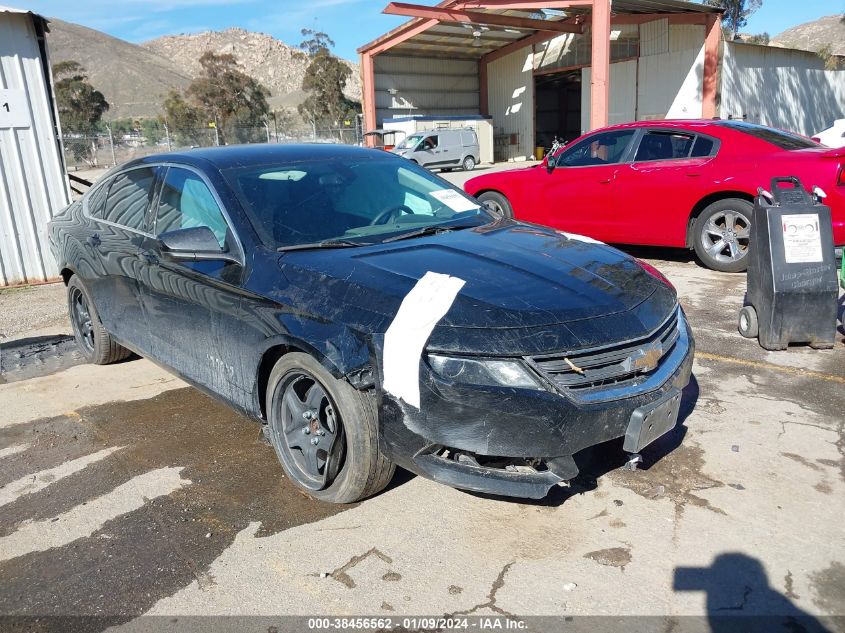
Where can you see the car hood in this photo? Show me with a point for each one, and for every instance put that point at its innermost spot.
(498, 180)
(527, 289)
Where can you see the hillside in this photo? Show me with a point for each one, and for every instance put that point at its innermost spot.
(135, 79)
(812, 36)
(272, 62)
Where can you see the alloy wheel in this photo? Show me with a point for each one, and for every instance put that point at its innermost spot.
(726, 236)
(309, 429)
(494, 206)
(83, 325)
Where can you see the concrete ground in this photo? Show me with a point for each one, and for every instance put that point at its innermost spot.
(124, 492)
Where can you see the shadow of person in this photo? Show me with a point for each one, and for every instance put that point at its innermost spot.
(740, 599)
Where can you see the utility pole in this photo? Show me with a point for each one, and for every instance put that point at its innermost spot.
(111, 143)
(167, 136)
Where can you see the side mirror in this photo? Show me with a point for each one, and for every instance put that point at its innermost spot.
(551, 163)
(193, 245)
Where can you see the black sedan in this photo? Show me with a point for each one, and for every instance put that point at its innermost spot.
(369, 314)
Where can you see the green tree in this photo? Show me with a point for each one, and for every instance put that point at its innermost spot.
(324, 81)
(187, 122)
(152, 130)
(80, 106)
(762, 38)
(831, 61)
(736, 13)
(230, 99)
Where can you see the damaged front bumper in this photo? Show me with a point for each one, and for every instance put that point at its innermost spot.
(520, 442)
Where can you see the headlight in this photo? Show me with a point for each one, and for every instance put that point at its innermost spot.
(492, 373)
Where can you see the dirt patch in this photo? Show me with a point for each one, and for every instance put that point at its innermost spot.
(151, 553)
(341, 574)
(611, 557)
(829, 586)
(677, 476)
(28, 308)
(802, 460)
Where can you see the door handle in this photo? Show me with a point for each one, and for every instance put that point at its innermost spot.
(691, 175)
(94, 240)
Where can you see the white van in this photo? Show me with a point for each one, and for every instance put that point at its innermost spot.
(441, 149)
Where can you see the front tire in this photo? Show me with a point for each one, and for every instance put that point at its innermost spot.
(325, 432)
(469, 163)
(721, 235)
(94, 342)
(497, 203)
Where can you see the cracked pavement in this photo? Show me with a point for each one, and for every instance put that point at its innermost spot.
(124, 492)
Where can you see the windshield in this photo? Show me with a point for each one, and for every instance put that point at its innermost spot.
(778, 138)
(365, 200)
(410, 142)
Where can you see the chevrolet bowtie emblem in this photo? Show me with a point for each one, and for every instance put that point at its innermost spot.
(647, 360)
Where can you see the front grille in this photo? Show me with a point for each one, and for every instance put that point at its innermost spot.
(610, 366)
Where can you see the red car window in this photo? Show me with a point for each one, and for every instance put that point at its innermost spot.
(664, 146)
(605, 148)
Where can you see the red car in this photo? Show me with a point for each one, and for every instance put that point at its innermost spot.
(688, 184)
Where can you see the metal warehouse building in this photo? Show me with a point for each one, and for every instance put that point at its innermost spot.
(540, 68)
(32, 182)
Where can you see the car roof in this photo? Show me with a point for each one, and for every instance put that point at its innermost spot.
(689, 124)
(230, 156)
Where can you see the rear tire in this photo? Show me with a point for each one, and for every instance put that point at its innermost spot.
(748, 325)
(354, 467)
(497, 203)
(721, 235)
(94, 342)
(469, 163)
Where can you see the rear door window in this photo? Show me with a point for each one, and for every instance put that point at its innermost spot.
(187, 202)
(128, 199)
(660, 145)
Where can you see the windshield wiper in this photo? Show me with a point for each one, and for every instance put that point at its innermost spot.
(324, 244)
(427, 230)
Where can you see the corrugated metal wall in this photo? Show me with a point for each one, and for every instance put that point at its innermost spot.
(425, 86)
(654, 37)
(780, 87)
(572, 50)
(511, 103)
(32, 184)
(623, 94)
(670, 71)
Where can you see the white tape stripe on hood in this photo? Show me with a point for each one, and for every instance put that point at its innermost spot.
(427, 302)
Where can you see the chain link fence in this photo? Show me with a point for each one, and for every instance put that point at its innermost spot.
(86, 152)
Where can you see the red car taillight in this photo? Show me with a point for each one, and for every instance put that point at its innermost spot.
(840, 180)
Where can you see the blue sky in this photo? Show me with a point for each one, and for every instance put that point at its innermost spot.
(349, 22)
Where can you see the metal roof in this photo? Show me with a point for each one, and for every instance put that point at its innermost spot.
(472, 41)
